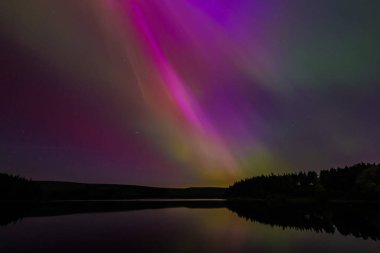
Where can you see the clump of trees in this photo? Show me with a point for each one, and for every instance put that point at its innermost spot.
(16, 188)
(360, 181)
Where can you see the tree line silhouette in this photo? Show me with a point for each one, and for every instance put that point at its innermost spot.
(15, 187)
(358, 182)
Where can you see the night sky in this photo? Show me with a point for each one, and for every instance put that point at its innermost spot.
(187, 92)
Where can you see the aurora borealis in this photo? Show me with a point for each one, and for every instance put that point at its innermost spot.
(187, 92)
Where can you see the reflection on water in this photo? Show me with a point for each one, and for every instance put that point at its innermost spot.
(361, 221)
(205, 227)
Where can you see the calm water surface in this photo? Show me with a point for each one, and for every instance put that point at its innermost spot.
(168, 230)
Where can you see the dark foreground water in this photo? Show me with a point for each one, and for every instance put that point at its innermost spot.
(195, 228)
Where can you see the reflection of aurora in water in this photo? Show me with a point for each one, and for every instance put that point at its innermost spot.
(358, 220)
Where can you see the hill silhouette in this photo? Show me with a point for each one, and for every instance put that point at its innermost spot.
(18, 188)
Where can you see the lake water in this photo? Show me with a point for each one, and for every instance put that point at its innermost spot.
(177, 229)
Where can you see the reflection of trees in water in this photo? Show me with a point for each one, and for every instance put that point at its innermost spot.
(361, 221)
(358, 220)
(9, 218)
